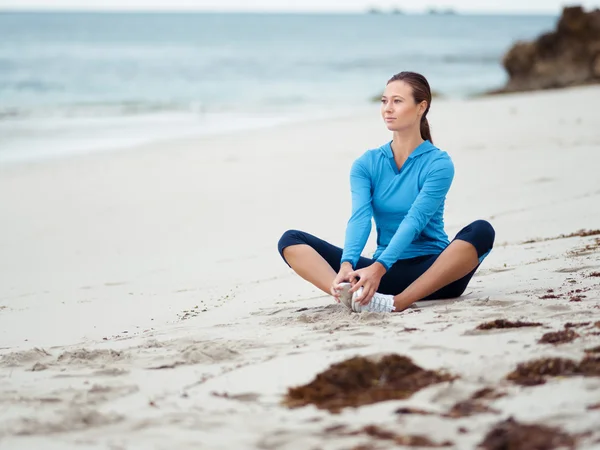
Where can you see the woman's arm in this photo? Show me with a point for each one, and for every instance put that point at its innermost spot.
(359, 225)
(434, 190)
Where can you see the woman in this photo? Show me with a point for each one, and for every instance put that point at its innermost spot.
(403, 185)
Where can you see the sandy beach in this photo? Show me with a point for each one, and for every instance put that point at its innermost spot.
(143, 303)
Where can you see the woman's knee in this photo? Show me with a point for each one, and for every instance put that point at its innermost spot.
(290, 237)
(485, 233)
(480, 234)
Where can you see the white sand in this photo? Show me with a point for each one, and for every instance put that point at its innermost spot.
(102, 255)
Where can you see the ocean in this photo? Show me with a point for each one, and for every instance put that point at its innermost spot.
(78, 82)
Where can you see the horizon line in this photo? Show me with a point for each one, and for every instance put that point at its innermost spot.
(366, 11)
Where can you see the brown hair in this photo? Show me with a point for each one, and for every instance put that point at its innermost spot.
(421, 92)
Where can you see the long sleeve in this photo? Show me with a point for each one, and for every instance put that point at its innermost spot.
(359, 225)
(432, 194)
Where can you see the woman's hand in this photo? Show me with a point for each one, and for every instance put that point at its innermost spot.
(342, 276)
(369, 279)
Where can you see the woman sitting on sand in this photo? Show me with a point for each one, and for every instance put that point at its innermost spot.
(403, 185)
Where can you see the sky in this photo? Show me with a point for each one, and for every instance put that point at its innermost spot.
(514, 6)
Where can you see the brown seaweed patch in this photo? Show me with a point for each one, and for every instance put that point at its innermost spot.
(533, 373)
(594, 274)
(474, 405)
(468, 408)
(512, 435)
(488, 394)
(580, 233)
(590, 366)
(362, 381)
(377, 432)
(577, 325)
(546, 296)
(559, 337)
(503, 323)
(593, 349)
(409, 410)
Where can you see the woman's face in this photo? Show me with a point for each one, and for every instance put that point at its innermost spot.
(398, 107)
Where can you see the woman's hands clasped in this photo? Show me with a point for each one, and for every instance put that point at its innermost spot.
(369, 279)
(342, 276)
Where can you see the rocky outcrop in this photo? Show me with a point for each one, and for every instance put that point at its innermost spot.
(568, 56)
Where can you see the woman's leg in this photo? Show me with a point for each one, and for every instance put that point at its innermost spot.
(450, 273)
(315, 260)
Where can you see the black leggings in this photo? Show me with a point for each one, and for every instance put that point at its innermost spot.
(402, 273)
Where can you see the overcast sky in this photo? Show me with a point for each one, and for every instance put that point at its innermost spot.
(521, 6)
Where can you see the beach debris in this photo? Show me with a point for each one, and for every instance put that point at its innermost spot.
(559, 337)
(377, 432)
(190, 313)
(580, 233)
(475, 404)
(536, 372)
(577, 325)
(547, 296)
(406, 410)
(362, 381)
(594, 274)
(488, 394)
(469, 408)
(593, 349)
(512, 435)
(503, 323)
(533, 373)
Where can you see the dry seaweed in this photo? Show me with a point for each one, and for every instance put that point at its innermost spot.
(377, 432)
(474, 405)
(559, 337)
(593, 349)
(577, 325)
(512, 435)
(362, 381)
(590, 366)
(408, 410)
(580, 233)
(503, 323)
(468, 408)
(488, 394)
(594, 274)
(543, 297)
(534, 372)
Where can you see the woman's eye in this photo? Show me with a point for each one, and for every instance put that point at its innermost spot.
(382, 100)
(397, 101)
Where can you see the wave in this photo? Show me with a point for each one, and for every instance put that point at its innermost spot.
(101, 109)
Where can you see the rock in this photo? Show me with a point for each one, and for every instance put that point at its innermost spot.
(568, 56)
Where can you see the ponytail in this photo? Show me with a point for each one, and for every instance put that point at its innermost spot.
(425, 131)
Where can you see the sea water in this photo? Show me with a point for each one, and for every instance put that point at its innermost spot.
(77, 82)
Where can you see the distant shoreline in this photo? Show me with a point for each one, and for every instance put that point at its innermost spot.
(243, 12)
